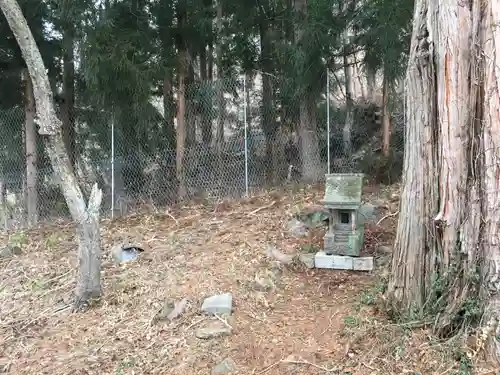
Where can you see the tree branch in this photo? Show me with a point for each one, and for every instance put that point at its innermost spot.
(29, 49)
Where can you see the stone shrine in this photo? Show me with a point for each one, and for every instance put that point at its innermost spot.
(344, 238)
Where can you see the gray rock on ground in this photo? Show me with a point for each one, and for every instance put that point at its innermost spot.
(219, 304)
(171, 310)
(122, 253)
(297, 228)
(276, 254)
(368, 213)
(227, 366)
(307, 259)
(383, 249)
(213, 330)
(10, 251)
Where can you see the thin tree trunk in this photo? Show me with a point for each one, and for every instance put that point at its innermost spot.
(386, 118)
(210, 61)
(268, 125)
(219, 136)
(206, 124)
(68, 110)
(86, 216)
(169, 110)
(31, 154)
(181, 125)
(446, 254)
(370, 85)
(349, 103)
(3, 204)
(189, 114)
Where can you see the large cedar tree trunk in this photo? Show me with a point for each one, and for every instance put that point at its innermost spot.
(447, 254)
(31, 154)
(85, 216)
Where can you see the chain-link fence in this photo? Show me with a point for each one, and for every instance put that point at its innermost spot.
(223, 138)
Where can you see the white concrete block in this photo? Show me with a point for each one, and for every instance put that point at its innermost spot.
(336, 262)
(363, 264)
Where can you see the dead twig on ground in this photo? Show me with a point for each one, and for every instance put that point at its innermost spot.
(299, 362)
(172, 217)
(195, 323)
(387, 216)
(263, 208)
(223, 321)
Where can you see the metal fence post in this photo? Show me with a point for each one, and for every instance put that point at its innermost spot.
(246, 130)
(328, 119)
(112, 164)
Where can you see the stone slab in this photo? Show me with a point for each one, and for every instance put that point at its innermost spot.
(362, 264)
(336, 262)
(341, 262)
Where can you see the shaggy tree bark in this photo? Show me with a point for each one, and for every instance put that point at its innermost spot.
(86, 217)
(447, 256)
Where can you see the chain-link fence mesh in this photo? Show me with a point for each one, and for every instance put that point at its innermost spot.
(240, 135)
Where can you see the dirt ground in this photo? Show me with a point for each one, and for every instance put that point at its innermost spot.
(307, 321)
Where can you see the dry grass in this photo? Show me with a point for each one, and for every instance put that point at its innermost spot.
(310, 322)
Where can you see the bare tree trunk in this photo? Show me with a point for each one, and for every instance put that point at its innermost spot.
(190, 113)
(206, 105)
(5, 210)
(307, 130)
(268, 120)
(169, 110)
(210, 62)
(68, 125)
(446, 254)
(86, 217)
(308, 140)
(219, 135)
(370, 85)
(386, 118)
(181, 125)
(31, 154)
(349, 103)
